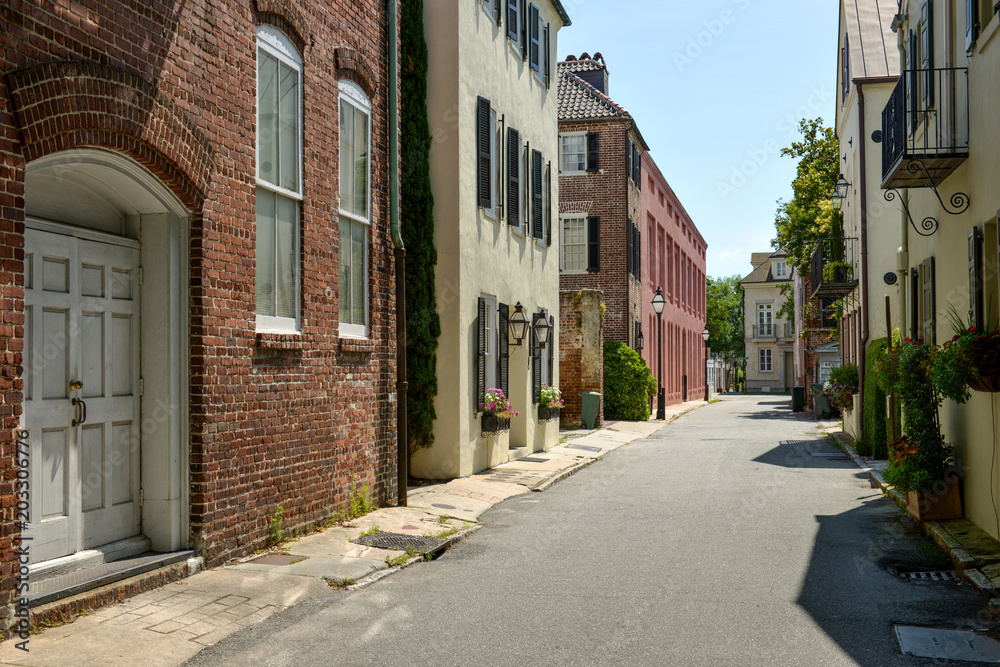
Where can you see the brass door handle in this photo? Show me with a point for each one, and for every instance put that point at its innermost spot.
(81, 411)
(75, 385)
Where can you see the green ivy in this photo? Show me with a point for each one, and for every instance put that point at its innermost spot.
(423, 326)
(875, 432)
(626, 382)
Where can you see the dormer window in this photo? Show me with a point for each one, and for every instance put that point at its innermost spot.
(779, 270)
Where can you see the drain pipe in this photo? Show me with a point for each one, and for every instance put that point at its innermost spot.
(866, 300)
(399, 253)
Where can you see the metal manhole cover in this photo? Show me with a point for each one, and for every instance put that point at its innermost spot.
(400, 542)
(938, 575)
(586, 448)
(532, 459)
(278, 559)
(947, 644)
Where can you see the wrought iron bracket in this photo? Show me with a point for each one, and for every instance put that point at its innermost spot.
(959, 202)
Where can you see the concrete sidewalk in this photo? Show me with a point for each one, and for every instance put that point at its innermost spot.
(169, 625)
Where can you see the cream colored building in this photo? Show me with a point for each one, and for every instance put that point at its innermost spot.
(492, 104)
(867, 73)
(768, 338)
(941, 159)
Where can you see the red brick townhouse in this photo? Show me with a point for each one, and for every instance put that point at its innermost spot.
(675, 263)
(198, 295)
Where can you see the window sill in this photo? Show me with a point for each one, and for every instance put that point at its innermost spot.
(269, 340)
(574, 272)
(351, 345)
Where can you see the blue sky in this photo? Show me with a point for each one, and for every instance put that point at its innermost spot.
(717, 87)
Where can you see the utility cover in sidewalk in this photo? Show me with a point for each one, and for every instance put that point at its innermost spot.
(947, 644)
(532, 459)
(586, 448)
(278, 559)
(400, 541)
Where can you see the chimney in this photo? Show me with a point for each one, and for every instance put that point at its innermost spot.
(598, 78)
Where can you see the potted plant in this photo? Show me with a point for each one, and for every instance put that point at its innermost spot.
(970, 360)
(919, 462)
(842, 386)
(549, 404)
(497, 412)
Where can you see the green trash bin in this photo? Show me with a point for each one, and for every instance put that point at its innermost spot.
(821, 405)
(798, 399)
(590, 407)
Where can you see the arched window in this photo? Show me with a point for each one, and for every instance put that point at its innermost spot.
(279, 180)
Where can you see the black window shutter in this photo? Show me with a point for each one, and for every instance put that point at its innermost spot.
(548, 204)
(533, 36)
(503, 354)
(638, 253)
(513, 178)
(547, 46)
(552, 349)
(914, 304)
(593, 143)
(524, 34)
(537, 214)
(628, 157)
(976, 278)
(927, 294)
(481, 365)
(512, 22)
(536, 362)
(637, 167)
(484, 146)
(927, 54)
(594, 243)
(629, 249)
(911, 96)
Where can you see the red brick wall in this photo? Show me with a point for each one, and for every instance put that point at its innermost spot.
(275, 420)
(581, 351)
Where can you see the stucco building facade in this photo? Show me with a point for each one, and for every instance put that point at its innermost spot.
(769, 338)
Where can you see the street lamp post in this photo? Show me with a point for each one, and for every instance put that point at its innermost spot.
(658, 303)
(704, 337)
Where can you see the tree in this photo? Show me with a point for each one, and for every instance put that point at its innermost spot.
(724, 311)
(809, 217)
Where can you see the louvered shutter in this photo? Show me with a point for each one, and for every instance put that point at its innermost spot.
(552, 350)
(512, 19)
(537, 218)
(524, 34)
(628, 157)
(914, 303)
(593, 243)
(638, 253)
(503, 354)
(911, 84)
(548, 204)
(927, 297)
(513, 178)
(547, 46)
(629, 250)
(976, 278)
(534, 38)
(481, 360)
(927, 54)
(637, 167)
(593, 144)
(484, 186)
(845, 71)
(536, 362)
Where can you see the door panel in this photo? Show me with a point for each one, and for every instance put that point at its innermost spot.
(82, 344)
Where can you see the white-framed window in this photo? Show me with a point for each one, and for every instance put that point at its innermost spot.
(765, 319)
(492, 342)
(512, 14)
(493, 8)
(779, 269)
(496, 140)
(573, 243)
(278, 180)
(354, 220)
(573, 153)
(765, 360)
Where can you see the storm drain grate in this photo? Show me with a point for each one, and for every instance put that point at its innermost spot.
(400, 541)
(936, 575)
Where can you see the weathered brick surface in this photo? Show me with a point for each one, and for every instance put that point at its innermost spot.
(581, 351)
(297, 421)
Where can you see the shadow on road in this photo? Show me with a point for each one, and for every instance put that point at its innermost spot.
(816, 453)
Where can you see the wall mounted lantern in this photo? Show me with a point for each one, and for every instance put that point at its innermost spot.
(518, 324)
(541, 331)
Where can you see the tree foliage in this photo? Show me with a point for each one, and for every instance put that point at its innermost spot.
(423, 326)
(724, 314)
(809, 216)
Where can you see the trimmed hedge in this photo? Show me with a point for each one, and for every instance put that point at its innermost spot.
(875, 430)
(626, 383)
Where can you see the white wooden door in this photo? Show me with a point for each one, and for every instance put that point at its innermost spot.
(81, 376)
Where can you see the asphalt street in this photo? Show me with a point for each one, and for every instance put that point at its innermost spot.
(737, 535)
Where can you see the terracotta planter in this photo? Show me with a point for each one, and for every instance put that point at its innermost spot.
(944, 501)
(546, 413)
(492, 424)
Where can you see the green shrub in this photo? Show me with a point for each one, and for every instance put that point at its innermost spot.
(653, 386)
(845, 374)
(875, 431)
(626, 383)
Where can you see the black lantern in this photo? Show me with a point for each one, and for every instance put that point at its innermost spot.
(839, 193)
(640, 341)
(518, 324)
(541, 332)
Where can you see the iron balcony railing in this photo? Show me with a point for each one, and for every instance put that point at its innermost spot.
(925, 127)
(774, 330)
(833, 268)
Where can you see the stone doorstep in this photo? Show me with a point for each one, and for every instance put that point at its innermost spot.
(68, 609)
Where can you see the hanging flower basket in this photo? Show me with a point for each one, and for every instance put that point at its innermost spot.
(493, 425)
(988, 381)
(545, 413)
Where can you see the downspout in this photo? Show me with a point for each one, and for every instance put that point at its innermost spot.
(402, 445)
(866, 294)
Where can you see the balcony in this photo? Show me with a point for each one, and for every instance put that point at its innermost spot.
(772, 331)
(832, 271)
(925, 128)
